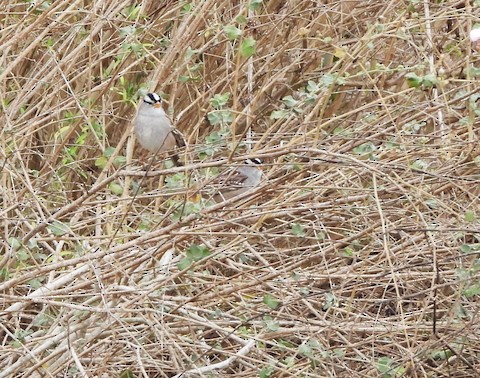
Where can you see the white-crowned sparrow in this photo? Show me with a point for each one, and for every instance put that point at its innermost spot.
(154, 130)
(237, 180)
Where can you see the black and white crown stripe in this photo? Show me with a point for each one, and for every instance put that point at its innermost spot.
(253, 161)
(152, 98)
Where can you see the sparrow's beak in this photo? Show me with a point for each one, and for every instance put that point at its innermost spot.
(157, 105)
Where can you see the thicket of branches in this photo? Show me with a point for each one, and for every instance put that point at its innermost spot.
(357, 255)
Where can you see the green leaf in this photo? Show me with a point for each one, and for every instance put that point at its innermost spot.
(127, 374)
(312, 87)
(266, 372)
(413, 80)
(429, 80)
(119, 161)
(442, 354)
(101, 162)
(197, 252)
(58, 228)
(213, 137)
(255, 4)
(127, 31)
(419, 165)
(187, 8)
(220, 117)
(232, 32)
(384, 364)
(270, 301)
(4, 274)
(271, 324)
(298, 230)
(474, 71)
(472, 291)
(247, 47)
(470, 216)
(279, 114)
(35, 283)
(306, 350)
(348, 252)
(116, 188)
(109, 151)
(330, 301)
(330, 79)
(184, 263)
(290, 101)
(387, 367)
(365, 148)
(14, 243)
(220, 100)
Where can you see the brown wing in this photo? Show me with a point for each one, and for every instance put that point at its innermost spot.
(230, 180)
(179, 139)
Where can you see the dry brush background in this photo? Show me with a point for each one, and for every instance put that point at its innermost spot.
(357, 256)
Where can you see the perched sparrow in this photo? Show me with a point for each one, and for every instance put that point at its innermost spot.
(237, 180)
(154, 130)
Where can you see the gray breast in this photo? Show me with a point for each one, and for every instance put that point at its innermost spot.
(153, 130)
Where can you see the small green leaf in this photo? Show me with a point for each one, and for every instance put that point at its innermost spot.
(4, 274)
(232, 32)
(22, 255)
(58, 228)
(220, 100)
(365, 148)
(472, 291)
(474, 71)
(266, 372)
(184, 263)
(432, 203)
(470, 216)
(187, 8)
(312, 87)
(279, 114)
(348, 252)
(384, 364)
(220, 117)
(270, 301)
(442, 354)
(247, 47)
(116, 188)
(330, 79)
(101, 162)
(35, 283)
(413, 80)
(119, 161)
(330, 301)
(127, 374)
(109, 151)
(419, 165)
(298, 230)
(306, 350)
(197, 252)
(290, 101)
(429, 80)
(241, 20)
(271, 324)
(255, 4)
(14, 243)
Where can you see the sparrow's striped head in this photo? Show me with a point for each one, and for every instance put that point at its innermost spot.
(153, 99)
(253, 161)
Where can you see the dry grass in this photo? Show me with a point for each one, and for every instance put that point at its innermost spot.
(356, 257)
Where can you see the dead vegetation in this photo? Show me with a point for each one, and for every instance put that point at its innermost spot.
(358, 255)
